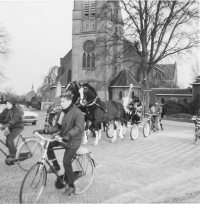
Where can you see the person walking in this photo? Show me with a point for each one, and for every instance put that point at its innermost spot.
(70, 125)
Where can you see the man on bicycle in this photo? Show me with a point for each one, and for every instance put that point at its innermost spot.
(136, 106)
(70, 123)
(12, 121)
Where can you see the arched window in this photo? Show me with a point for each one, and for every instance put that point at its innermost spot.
(84, 61)
(88, 61)
(133, 94)
(185, 100)
(120, 95)
(92, 25)
(86, 25)
(162, 100)
(93, 60)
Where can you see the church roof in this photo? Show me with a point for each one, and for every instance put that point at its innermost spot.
(125, 78)
(168, 69)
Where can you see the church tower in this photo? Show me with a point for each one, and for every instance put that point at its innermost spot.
(88, 27)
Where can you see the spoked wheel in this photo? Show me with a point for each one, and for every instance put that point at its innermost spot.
(83, 174)
(196, 139)
(146, 129)
(33, 184)
(110, 130)
(28, 153)
(134, 133)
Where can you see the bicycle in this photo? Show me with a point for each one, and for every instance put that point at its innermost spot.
(149, 125)
(29, 150)
(197, 130)
(47, 122)
(35, 180)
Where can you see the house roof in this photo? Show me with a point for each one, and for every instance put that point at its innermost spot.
(124, 78)
(168, 69)
(172, 91)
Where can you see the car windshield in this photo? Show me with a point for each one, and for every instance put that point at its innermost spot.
(24, 108)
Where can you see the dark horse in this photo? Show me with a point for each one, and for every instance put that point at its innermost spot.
(102, 112)
(89, 125)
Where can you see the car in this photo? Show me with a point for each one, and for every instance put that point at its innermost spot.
(29, 116)
(2, 107)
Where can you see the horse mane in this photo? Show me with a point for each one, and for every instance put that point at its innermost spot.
(91, 88)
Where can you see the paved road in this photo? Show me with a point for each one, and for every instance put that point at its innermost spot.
(161, 168)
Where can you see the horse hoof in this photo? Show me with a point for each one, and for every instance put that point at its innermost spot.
(113, 141)
(95, 144)
(85, 142)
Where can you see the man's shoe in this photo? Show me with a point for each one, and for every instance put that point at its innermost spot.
(55, 168)
(10, 159)
(69, 191)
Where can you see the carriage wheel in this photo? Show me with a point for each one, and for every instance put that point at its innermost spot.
(146, 129)
(110, 130)
(196, 139)
(134, 133)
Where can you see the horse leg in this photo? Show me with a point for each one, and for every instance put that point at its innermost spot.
(96, 133)
(99, 131)
(85, 138)
(121, 131)
(115, 132)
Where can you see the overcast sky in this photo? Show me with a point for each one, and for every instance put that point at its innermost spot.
(40, 34)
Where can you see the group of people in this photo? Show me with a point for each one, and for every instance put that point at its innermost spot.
(70, 126)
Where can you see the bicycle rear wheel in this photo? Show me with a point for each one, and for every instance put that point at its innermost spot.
(33, 184)
(29, 153)
(83, 174)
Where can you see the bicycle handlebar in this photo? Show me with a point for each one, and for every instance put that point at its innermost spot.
(51, 139)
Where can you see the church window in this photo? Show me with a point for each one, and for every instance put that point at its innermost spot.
(132, 94)
(120, 95)
(84, 61)
(92, 25)
(69, 77)
(93, 60)
(88, 61)
(163, 101)
(86, 25)
(93, 8)
(87, 8)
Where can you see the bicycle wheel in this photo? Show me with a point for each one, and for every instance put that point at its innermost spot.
(33, 184)
(29, 153)
(134, 133)
(146, 129)
(110, 130)
(83, 174)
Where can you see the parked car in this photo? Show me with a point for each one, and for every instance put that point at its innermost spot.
(2, 107)
(29, 116)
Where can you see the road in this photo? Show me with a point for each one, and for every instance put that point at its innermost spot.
(162, 168)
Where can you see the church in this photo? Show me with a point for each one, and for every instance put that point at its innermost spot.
(92, 28)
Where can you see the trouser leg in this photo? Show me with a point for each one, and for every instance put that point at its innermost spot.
(10, 140)
(69, 154)
(50, 153)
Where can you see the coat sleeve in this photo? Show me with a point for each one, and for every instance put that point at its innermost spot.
(15, 118)
(78, 126)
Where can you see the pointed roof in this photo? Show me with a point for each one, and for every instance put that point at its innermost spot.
(197, 80)
(168, 69)
(124, 79)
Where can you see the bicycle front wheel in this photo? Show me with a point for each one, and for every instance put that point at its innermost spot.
(29, 153)
(146, 129)
(134, 133)
(33, 184)
(83, 169)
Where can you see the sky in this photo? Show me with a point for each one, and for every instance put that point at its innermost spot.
(40, 34)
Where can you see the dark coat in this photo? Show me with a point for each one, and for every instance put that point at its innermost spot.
(13, 117)
(72, 128)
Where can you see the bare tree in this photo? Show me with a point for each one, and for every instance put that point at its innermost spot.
(154, 30)
(4, 49)
(8, 92)
(49, 79)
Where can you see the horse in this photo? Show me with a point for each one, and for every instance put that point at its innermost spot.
(102, 112)
(74, 88)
